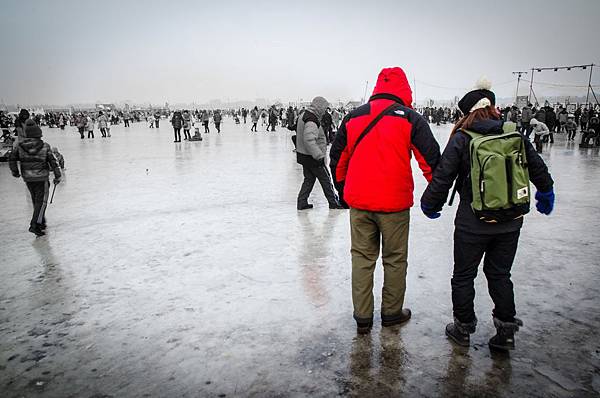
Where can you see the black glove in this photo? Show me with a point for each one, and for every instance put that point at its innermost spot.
(56, 181)
(16, 175)
(321, 162)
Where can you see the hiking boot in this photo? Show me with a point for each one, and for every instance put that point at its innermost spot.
(459, 332)
(36, 230)
(305, 206)
(364, 328)
(363, 325)
(399, 319)
(504, 340)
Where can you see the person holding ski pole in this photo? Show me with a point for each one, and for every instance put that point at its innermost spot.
(36, 160)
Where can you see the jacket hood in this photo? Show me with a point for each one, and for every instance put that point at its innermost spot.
(318, 106)
(487, 126)
(32, 145)
(393, 81)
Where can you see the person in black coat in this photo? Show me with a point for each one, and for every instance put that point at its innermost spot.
(475, 239)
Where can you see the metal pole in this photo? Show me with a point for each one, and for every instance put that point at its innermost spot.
(530, 87)
(365, 95)
(518, 81)
(415, 88)
(587, 98)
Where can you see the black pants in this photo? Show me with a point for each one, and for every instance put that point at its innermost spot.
(103, 131)
(90, 133)
(311, 174)
(177, 132)
(186, 133)
(206, 129)
(156, 123)
(499, 251)
(126, 123)
(218, 126)
(253, 128)
(39, 196)
(81, 132)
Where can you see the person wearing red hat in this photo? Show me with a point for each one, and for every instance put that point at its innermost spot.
(370, 162)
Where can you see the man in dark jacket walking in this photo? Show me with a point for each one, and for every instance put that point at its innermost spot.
(372, 172)
(311, 148)
(36, 160)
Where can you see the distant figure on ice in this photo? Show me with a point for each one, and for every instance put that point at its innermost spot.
(254, 116)
(89, 124)
(20, 127)
(36, 160)
(81, 124)
(540, 130)
(272, 118)
(370, 163)
(327, 123)
(205, 120)
(103, 124)
(157, 119)
(244, 114)
(310, 153)
(217, 120)
(489, 219)
(571, 128)
(187, 124)
(177, 123)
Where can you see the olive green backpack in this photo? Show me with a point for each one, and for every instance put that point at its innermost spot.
(499, 175)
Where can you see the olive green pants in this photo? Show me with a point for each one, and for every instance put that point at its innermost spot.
(368, 230)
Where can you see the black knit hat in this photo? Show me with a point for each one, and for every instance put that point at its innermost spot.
(32, 130)
(482, 90)
(23, 114)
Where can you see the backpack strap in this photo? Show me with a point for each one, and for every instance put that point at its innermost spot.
(373, 123)
(472, 135)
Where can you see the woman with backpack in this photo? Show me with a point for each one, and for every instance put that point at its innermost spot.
(485, 226)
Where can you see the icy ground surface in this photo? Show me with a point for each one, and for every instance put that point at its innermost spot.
(185, 270)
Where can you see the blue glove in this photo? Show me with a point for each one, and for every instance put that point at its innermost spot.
(428, 211)
(545, 201)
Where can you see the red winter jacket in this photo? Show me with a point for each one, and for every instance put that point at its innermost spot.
(377, 175)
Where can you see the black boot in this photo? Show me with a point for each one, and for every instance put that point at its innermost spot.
(35, 229)
(336, 206)
(402, 317)
(504, 340)
(459, 332)
(363, 325)
(305, 206)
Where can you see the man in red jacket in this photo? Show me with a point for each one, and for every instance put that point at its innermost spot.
(370, 164)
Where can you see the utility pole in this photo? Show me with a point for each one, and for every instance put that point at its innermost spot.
(530, 87)
(587, 97)
(415, 88)
(518, 73)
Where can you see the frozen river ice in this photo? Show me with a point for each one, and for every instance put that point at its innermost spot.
(185, 270)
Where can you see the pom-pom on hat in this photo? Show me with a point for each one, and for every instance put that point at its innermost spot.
(479, 98)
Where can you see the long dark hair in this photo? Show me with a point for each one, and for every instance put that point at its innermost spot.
(466, 122)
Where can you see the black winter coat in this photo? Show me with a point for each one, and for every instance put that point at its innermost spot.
(455, 164)
(36, 160)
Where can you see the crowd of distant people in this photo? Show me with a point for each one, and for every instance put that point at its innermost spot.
(541, 121)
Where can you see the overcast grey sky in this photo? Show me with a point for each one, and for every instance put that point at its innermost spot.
(60, 52)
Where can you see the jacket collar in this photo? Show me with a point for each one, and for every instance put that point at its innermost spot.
(487, 126)
(387, 96)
